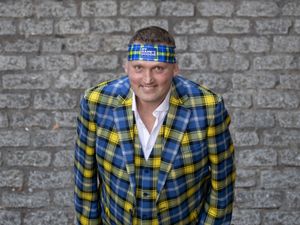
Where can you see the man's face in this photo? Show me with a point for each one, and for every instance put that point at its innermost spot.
(150, 80)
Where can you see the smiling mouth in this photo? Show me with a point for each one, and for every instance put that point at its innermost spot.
(148, 86)
(148, 89)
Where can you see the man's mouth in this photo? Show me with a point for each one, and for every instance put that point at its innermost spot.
(148, 86)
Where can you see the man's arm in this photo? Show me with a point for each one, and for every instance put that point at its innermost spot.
(219, 202)
(86, 193)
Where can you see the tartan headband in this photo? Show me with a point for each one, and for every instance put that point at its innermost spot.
(150, 52)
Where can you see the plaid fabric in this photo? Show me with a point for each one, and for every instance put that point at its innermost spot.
(146, 174)
(196, 175)
(148, 52)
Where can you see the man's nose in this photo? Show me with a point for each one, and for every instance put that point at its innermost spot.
(148, 76)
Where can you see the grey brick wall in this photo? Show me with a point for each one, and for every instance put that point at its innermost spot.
(51, 50)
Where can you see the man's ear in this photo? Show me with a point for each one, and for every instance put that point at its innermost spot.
(125, 65)
(175, 70)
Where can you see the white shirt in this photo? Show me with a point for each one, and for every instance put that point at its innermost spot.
(147, 139)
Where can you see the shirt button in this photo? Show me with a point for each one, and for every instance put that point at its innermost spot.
(145, 194)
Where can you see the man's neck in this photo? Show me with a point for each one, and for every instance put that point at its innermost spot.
(146, 108)
(146, 114)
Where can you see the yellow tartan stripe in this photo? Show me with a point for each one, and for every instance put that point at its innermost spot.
(217, 158)
(215, 130)
(92, 126)
(212, 211)
(89, 151)
(188, 169)
(193, 216)
(185, 139)
(107, 165)
(175, 173)
(155, 161)
(128, 206)
(127, 102)
(137, 221)
(84, 122)
(84, 220)
(88, 173)
(219, 185)
(209, 100)
(167, 131)
(171, 203)
(94, 96)
(88, 196)
(215, 212)
(81, 168)
(113, 137)
(164, 205)
(87, 221)
(175, 101)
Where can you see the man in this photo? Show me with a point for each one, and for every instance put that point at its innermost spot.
(153, 147)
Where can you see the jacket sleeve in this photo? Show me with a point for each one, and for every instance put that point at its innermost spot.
(219, 202)
(86, 193)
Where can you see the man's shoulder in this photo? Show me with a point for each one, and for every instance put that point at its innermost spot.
(108, 89)
(193, 90)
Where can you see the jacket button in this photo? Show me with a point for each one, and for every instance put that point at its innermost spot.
(132, 212)
(145, 216)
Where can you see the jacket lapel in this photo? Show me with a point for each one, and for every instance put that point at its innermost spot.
(123, 118)
(176, 123)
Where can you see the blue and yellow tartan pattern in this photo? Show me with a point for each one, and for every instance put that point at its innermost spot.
(146, 175)
(195, 182)
(149, 52)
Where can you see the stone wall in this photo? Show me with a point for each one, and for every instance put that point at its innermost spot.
(51, 51)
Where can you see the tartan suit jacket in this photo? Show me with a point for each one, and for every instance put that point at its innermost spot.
(197, 171)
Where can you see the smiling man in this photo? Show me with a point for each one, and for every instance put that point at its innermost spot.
(153, 147)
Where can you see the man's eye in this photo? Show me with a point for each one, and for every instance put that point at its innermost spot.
(138, 68)
(158, 69)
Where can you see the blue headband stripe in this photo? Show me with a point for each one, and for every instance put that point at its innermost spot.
(149, 52)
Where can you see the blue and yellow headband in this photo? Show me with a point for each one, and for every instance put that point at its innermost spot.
(150, 52)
